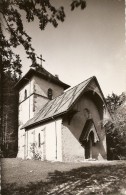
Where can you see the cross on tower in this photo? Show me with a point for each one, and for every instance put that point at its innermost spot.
(41, 59)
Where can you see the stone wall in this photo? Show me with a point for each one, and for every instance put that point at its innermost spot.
(73, 128)
(72, 151)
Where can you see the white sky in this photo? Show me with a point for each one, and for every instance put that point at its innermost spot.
(89, 42)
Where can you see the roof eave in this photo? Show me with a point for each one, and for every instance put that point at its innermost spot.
(23, 80)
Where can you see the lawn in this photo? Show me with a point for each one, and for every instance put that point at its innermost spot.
(28, 177)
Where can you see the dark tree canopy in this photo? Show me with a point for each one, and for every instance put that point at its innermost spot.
(116, 128)
(13, 34)
(115, 101)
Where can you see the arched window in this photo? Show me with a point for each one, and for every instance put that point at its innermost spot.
(87, 114)
(39, 140)
(25, 94)
(50, 93)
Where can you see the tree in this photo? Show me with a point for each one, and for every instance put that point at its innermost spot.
(9, 116)
(116, 128)
(114, 101)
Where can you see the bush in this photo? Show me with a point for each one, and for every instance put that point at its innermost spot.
(35, 153)
(116, 128)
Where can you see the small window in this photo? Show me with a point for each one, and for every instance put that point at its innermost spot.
(50, 93)
(39, 140)
(25, 94)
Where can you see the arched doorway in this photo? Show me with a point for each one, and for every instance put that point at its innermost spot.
(89, 139)
(89, 146)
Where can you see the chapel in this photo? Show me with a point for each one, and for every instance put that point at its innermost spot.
(58, 122)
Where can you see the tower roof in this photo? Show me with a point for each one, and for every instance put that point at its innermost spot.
(42, 73)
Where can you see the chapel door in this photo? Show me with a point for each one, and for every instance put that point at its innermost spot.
(89, 147)
(88, 139)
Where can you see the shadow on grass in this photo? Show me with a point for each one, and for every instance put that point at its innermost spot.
(98, 180)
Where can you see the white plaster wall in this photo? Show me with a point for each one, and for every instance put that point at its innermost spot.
(26, 112)
(59, 140)
(53, 141)
(51, 145)
(21, 144)
(33, 139)
(29, 87)
(26, 141)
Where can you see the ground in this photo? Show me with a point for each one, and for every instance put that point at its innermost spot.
(33, 177)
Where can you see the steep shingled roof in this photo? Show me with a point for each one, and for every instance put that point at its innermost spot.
(59, 105)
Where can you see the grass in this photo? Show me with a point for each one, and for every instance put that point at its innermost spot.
(28, 177)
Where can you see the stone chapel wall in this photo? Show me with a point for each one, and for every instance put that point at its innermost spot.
(72, 130)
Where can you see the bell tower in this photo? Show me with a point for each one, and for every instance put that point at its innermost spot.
(36, 88)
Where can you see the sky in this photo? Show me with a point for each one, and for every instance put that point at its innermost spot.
(88, 43)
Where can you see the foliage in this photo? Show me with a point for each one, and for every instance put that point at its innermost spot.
(9, 116)
(11, 25)
(114, 101)
(35, 153)
(116, 128)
